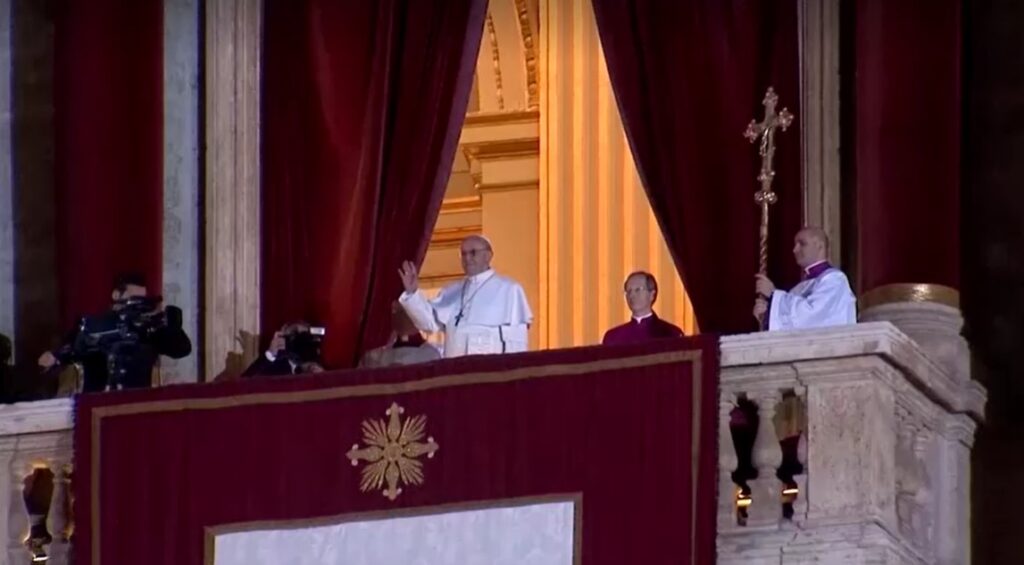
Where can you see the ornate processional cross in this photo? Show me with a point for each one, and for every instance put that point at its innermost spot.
(765, 129)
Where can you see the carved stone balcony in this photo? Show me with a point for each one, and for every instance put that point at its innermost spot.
(879, 435)
(35, 464)
(871, 434)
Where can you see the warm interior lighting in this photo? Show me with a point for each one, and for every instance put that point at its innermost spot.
(742, 500)
(791, 491)
(39, 555)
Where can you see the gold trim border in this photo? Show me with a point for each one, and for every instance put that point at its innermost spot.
(910, 292)
(576, 498)
(357, 391)
(502, 118)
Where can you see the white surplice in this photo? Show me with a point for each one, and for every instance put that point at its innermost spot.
(485, 313)
(817, 302)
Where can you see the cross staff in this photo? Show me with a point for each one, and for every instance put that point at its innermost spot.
(766, 131)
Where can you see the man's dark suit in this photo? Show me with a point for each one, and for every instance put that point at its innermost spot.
(170, 340)
(263, 367)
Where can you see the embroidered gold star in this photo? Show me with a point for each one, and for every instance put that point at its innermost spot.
(392, 451)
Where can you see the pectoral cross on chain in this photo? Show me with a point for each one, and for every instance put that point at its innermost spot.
(765, 130)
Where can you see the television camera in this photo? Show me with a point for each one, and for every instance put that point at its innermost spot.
(122, 336)
(302, 343)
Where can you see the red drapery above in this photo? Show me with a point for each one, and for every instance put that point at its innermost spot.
(630, 429)
(363, 105)
(108, 94)
(906, 131)
(688, 77)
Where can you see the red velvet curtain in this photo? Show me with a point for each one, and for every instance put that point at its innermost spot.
(363, 105)
(108, 97)
(688, 77)
(906, 147)
(631, 429)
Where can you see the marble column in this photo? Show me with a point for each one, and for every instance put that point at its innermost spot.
(181, 252)
(905, 171)
(232, 199)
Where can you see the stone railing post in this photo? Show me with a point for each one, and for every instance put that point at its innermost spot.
(58, 520)
(766, 490)
(18, 520)
(727, 462)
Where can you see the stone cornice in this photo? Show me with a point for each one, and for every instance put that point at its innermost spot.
(878, 339)
(36, 417)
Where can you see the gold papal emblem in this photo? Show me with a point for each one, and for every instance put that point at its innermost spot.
(392, 451)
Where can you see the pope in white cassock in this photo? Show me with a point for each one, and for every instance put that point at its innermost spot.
(483, 313)
(823, 298)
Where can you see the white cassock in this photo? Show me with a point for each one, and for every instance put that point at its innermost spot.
(485, 313)
(818, 301)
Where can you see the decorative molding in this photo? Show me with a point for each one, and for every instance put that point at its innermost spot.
(444, 238)
(492, 38)
(502, 118)
(819, 91)
(506, 186)
(910, 292)
(502, 148)
(813, 352)
(54, 415)
(529, 54)
(459, 205)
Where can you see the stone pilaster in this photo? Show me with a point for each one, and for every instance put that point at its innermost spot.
(232, 199)
(819, 91)
(181, 179)
(7, 254)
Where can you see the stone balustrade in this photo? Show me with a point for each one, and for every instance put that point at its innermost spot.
(35, 464)
(885, 449)
(879, 474)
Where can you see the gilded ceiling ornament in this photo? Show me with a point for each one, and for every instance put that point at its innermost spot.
(392, 451)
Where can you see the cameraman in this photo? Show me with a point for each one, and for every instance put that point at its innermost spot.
(294, 350)
(165, 338)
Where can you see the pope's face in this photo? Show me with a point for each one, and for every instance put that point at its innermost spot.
(476, 257)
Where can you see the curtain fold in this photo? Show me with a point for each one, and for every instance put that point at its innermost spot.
(688, 77)
(363, 103)
(108, 98)
(906, 141)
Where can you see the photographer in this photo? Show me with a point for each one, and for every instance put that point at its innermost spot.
(294, 350)
(126, 339)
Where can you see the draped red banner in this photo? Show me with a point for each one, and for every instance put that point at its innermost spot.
(688, 77)
(630, 431)
(108, 97)
(363, 105)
